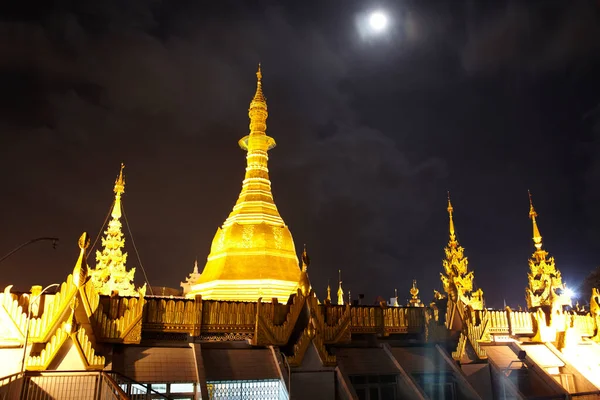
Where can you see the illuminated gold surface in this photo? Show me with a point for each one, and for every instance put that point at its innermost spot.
(545, 282)
(340, 292)
(110, 273)
(304, 283)
(252, 254)
(456, 278)
(415, 301)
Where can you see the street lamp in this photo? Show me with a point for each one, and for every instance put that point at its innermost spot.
(31, 301)
(13, 251)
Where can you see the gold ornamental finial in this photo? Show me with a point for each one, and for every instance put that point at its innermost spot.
(304, 283)
(305, 259)
(328, 292)
(340, 292)
(537, 237)
(414, 292)
(453, 241)
(119, 190)
(120, 182)
(259, 100)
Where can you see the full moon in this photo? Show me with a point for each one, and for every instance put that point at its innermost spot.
(378, 21)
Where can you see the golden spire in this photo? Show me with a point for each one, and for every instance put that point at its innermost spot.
(545, 281)
(537, 237)
(396, 304)
(110, 273)
(253, 253)
(456, 278)
(340, 292)
(453, 242)
(328, 292)
(119, 190)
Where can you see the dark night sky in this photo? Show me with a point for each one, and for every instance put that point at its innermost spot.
(485, 99)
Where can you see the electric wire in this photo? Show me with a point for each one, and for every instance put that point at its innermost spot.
(136, 250)
(100, 231)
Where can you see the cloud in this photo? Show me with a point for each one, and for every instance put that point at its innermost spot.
(534, 37)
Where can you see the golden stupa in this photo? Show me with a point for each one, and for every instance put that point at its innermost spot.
(252, 255)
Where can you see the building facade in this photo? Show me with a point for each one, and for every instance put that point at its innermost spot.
(250, 326)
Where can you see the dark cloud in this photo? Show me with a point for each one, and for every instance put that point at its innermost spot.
(534, 37)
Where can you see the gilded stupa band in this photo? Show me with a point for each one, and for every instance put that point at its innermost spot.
(252, 254)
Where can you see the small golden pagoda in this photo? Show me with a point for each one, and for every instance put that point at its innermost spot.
(111, 274)
(340, 292)
(545, 282)
(456, 278)
(252, 254)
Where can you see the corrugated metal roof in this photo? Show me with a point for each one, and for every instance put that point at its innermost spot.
(420, 359)
(160, 364)
(366, 361)
(542, 355)
(502, 355)
(239, 364)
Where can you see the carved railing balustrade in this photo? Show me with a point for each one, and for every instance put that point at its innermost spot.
(498, 322)
(366, 319)
(172, 315)
(584, 324)
(521, 323)
(227, 316)
(266, 315)
(123, 313)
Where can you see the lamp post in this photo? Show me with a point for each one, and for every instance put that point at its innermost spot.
(13, 251)
(31, 301)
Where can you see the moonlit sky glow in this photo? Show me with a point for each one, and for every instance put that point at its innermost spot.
(378, 21)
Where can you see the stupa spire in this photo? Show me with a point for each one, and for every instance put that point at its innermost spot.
(340, 292)
(253, 253)
(111, 274)
(456, 278)
(328, 299)
(453, 242)
(537, 237)
(546, 287)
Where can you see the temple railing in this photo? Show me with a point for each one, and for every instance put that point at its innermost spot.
(119, 319)
(498, 322)
(195, 316)
(584, 324)
(521, 323)
(390, 320)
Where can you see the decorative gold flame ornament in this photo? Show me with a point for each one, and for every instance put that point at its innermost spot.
(545, 282)
(415, 301)
(110, 274)
(253, 251)
(304, 283)
(456, 278)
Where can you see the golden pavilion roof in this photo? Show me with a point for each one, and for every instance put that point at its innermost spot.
(253, 253)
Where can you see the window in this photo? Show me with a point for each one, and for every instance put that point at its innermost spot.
(268, 389)
(437, 386)
(374, 387)
(181, 388)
